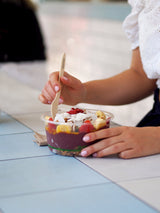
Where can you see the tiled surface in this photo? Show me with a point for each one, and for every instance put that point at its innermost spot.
(20, 145)
(120, 170)
(92, 10)
(28, 171)
(145, 189)
(47, 173)
(32, 179)
(8, 125)
(32, 120)
(96, 198)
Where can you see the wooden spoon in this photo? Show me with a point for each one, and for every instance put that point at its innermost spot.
(55, 102)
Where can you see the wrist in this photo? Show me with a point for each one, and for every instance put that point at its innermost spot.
(84, 93)
(156, 137)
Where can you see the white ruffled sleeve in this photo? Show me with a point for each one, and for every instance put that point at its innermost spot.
(130, 24)
(149, 39)
(142, 27)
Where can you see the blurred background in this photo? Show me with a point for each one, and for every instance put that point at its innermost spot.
(89, 32)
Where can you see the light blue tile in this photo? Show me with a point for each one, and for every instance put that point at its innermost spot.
(44, 173)
(99, 10)
(20, 146)
(9, 125)
(103, 198)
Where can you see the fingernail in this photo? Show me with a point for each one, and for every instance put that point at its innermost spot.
(65, 78)
(84, 153)
(94, 155)
(56, 88)
(41, 97)
(86, 138)
(60, 101)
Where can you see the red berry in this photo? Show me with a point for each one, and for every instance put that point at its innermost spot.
(51, 125)
(75, 111)
(86, 127)
(87, 122)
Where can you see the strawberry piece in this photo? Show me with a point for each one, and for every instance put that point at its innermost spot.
(87, 122)
(51, 125)
(79, 110)
(75, 111)
(86, 127)
(50, 119)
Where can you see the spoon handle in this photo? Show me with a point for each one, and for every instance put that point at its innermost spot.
(55, 102)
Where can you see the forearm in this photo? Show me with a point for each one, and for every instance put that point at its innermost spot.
(127, 87)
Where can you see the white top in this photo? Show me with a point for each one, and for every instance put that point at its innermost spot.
(142, 27)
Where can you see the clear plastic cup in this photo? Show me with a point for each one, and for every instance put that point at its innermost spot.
(66, 138)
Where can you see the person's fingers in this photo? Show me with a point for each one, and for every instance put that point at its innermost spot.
(104, 133)
(54, 80)
(43, 99)
(103, 144)
(50, 89)
(61, 100)
(70, 80)
(46, 94)
(54, 77)
(127, 154)
(66, 79)
(113, 149)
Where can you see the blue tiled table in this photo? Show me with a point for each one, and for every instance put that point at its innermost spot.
(32, 179)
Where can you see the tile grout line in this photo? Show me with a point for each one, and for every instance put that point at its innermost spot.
(53, 190)
(138, 198)
(20, 121)
(124, 189)
(24, 158)
(31, 131)
(17, 121)
(111, 181)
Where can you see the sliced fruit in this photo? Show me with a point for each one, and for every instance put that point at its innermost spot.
(101, 114)
(63, 128)
(86, 127)
(75, 111)
(51, 125)
(99, 123)
(47, 117)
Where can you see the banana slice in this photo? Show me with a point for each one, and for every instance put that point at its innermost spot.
(99, 123)
(46, 120)
(101, 114)
(63, 128)
(47, 117)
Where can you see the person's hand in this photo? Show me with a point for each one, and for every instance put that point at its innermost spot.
(127, 142)
(72, 90)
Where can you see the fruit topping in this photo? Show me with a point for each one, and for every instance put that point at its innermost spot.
(50, 124)
(63, 128)
(99, 123)
(47, 117)
(101, 114)
(86, 127)
(75, 111)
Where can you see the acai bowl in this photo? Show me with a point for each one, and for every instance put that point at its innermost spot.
(64, 133)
